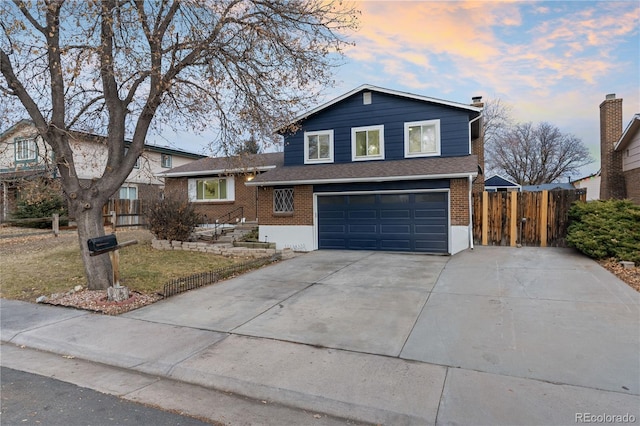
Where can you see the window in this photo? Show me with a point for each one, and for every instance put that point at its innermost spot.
(422, 138)
(165, 161)
(318, 147)
(283, 200)
(367, 143)
(128, 193)
(25, 150)
(211, 189)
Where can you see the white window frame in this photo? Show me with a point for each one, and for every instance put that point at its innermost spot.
(193, 189)
(32, 149)
(308, 160)
(379, 156)
(128, 188)
(165, 164)
(287, 201)
(407, 125)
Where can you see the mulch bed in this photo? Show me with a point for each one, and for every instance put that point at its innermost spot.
(630, 276)
(96, 301)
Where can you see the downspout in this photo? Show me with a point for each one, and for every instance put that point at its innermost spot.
(470, 212)
(471, 188)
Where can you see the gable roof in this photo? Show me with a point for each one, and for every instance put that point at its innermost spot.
(369, 87)
(226, 165)
(371, 171)
(499, 181)
(148, 147)
(629, 133)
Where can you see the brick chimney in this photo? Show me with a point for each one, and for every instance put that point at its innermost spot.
(611, 177)
(477, 147)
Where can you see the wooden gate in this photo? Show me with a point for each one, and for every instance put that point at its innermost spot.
(128, 212)
(525, 218)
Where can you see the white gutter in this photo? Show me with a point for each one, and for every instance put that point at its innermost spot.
(470, 212)
(216, 172)
(368, 179)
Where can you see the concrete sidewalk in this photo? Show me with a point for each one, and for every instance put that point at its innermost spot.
(490, 336)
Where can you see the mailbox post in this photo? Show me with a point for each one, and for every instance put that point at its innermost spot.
(109, 244)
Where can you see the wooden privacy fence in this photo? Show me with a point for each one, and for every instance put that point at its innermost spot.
(128, 212)
(525, 218)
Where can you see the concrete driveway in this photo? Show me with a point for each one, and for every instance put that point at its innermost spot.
(547, 314)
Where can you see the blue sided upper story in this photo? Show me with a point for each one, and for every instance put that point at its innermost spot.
(375, 124)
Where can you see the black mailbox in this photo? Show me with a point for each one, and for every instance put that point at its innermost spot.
(101, 244)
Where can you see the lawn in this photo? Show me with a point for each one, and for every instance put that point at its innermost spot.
(37, 265)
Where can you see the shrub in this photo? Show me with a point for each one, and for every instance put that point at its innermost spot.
(172, 219)
(603, 229)
(39, 199)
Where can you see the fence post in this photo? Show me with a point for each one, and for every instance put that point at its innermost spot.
(513, 220)
(56, 224)
(485, 218)
(113, 221)
(544, 210)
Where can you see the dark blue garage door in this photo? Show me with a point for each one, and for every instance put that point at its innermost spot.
(400, 222)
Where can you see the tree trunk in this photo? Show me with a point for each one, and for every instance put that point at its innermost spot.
(97, 269)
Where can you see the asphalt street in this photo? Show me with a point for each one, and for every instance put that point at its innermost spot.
(30, 399)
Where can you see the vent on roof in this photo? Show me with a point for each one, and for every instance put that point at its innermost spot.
(366, 98)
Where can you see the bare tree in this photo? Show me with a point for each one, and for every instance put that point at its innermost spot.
(119, 67)
(535, 154)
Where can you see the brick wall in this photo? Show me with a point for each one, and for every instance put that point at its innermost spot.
(611, 180)
(245, 197)
(632, 177)
(302, 206)
(459, 193)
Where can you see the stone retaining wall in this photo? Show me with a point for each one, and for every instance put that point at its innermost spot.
(220, 249)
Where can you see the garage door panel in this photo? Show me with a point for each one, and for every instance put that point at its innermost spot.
(400, 245)
(395, 229)
(430, 229)
(333, 229)
(363, 229)
(400, 222)
(362, 244)
(363, 214)
(432, 214)
(395, 214)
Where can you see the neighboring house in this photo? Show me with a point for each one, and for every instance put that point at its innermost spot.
(217, 187)
(591, 183)
(547, 187)
(376, 169)
(497, 183)
(628, 146)
(619, 152)
(24, 155)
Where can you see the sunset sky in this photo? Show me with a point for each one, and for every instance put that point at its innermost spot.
(551, 61)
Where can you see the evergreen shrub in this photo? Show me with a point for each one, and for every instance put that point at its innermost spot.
(605, 229)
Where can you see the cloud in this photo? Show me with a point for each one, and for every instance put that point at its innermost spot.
(507, 46)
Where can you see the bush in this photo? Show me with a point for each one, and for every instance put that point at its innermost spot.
(172, 219)
(39, 199)
(604, 229)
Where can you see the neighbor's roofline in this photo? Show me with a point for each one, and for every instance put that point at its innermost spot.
(149, 147)
(216, 171)
(389, 92)
(634, 123)
(365, 179)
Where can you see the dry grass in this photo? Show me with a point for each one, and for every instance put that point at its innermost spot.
(37, 265)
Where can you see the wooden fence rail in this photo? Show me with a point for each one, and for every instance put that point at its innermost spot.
(523, 218)
(128, 212)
